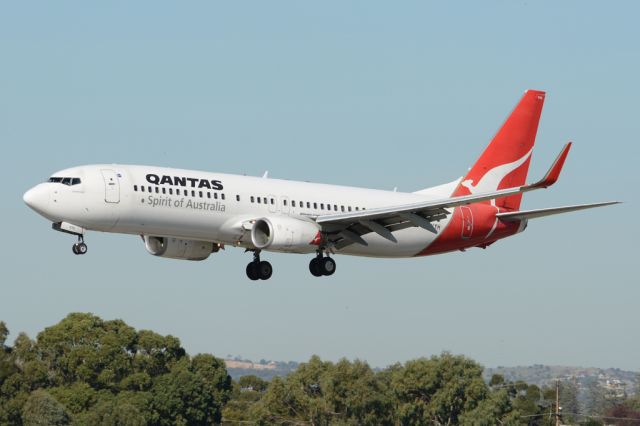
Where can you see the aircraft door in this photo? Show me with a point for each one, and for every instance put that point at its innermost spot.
(111, 186)
(467, 222)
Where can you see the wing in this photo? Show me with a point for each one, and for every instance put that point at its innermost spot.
(532, 214)
(347, 228)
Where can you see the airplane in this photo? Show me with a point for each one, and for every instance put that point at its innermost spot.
(186, 214)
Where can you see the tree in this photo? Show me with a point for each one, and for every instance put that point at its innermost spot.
(184, 397)
(4, 332)
(320, 392)
(41, 409)
(7, 365)
(252, 383)
(437, 390)
(623, 415)
(93, 371)
(569, 400)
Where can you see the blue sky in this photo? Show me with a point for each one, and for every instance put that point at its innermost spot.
(361, 93)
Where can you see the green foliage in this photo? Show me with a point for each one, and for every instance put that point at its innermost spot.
(252, 383)
(41, 409)
(4, 332)
(89, 371)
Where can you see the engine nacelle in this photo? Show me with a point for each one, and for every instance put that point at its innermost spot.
(176, 248)
(282, 233)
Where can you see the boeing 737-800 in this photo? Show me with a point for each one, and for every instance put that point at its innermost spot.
(185, 214)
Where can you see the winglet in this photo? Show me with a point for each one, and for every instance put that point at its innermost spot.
(554, 171)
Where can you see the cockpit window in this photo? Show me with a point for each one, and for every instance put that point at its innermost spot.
(69, 181)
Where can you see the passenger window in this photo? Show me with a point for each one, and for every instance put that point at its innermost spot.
(357, 209)
(284, 202)
(321, 206)
(164, 190)
(237, 198)
(135, 188)
(193, 193)
(273, 201)
(157, 190)
(335, 207)
(200, 193)
(315, 206)
(142, 188)
(308, 205)
(341, 208)
(208, 195)
(252, 199)
(259, 200)
(349, 208)
(222, 195)
(170, 191)
(150, 189)
(264, 199)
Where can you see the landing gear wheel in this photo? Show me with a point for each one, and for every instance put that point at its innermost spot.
(259, 270)
(264, 270)
(252, 271)
(79, 248)
(327, 266)
(314, 267)
(82, 248)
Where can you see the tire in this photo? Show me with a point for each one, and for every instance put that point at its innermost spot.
(327, 266)
(82, 248)
(75, 249)
(252, 271)
(265, 270)
(314, 267)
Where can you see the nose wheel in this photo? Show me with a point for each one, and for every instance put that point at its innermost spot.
(80, 247)
(322, 266)
(257, 269)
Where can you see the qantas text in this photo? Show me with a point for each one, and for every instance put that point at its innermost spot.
(184, 181)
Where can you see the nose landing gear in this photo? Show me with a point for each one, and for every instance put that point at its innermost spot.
(322, 265)
(80, 247)
(257, 269)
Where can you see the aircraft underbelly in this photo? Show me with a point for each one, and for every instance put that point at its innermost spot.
(410, 242)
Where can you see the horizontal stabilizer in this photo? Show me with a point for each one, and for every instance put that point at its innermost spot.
(532, 214)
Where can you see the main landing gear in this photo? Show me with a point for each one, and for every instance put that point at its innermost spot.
(322, 265)
(257, 269)
(80, 247)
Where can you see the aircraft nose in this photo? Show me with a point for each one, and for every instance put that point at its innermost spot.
(37, 198)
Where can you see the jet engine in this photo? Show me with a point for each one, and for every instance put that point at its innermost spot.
(282, 233)
(176, 248)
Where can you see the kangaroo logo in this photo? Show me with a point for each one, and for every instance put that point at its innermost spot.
(491, 180)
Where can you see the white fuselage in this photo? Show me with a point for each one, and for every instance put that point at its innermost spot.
(216, 207)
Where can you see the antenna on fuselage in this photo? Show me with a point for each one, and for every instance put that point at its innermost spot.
(266, 174)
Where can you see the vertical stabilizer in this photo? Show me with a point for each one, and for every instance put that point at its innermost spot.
(505, 161)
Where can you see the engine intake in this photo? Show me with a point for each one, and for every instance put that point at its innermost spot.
(284, 233)
(176, 248)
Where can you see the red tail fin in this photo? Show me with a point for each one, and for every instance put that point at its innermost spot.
(505, 162)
